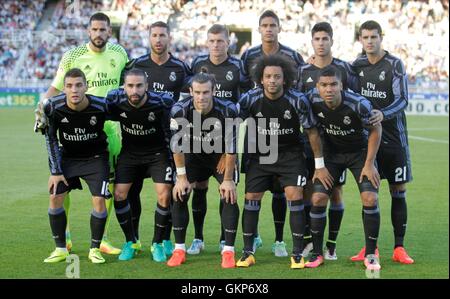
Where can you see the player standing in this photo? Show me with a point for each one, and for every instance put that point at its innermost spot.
(144, 121)
(166, 74)
(382, 80)
(230, 79)
(286, 111)
(269, 28)
(322, 41)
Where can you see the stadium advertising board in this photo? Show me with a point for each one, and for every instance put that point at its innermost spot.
(18, 99)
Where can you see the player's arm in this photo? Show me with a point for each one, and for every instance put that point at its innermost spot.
(228, 186)
(188, 74)
(321, 173)
(352, 77)
(51, 92)
(245, 84)
(300, 86)
(400, 91)
(54, 155)
(55, 89)
(369, 170)
(182, 187)
(299, 61)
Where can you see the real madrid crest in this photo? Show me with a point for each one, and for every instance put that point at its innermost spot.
(382, 76)
(287, 114)
(93, 121)
(217, 125)
(172, 76)
(151, 116)
(113, 63)
(229, 75)
(347, 120)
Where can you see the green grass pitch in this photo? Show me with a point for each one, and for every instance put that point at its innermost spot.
(26, 238)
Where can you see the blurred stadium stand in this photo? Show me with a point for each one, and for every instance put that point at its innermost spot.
(35, 34)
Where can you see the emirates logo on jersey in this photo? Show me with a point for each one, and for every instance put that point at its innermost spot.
(347, 120)
(93, 121)
(287, 114)
(151, 116)
(172, 76)
(382, 76)
(229, 76)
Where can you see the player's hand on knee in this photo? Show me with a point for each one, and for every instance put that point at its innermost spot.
(221, 165)
(181, 189)
(228, 191)
(371, 172)
(53, 182)
(324, 177)
(41, 120)
(376, 117)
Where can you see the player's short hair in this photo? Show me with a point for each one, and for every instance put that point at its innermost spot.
(322, 26)
(202, 78)
(135, 72)
(269, 14)
(99, 16)
(330, 71)
(160, 24)
(283, 61)
(217, 29)
(370, 25)
(75, 73)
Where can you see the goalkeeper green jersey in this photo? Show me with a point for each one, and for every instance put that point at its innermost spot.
(102, 69)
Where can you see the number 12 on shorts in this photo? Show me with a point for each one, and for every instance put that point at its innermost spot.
(301, 181)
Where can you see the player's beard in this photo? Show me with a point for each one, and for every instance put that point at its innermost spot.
(136, 102)
(159, 52)
(274, 90)
(99, 46)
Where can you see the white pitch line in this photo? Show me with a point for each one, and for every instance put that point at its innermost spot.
(427, 129)
(428, 139)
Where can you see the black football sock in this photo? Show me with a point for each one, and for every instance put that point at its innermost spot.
(371, 227)
(230, 220)
(58, 222)
(123, 213)
(399, 216)
(161, 219)
(168, 229)
(180, 219)
(250, 222)
(335, 214)
(307, 238)
(318, 223)
(297, 223)
(199, 208)
(98, 222)
(279, 214)
(222, 232)
(134, 200)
